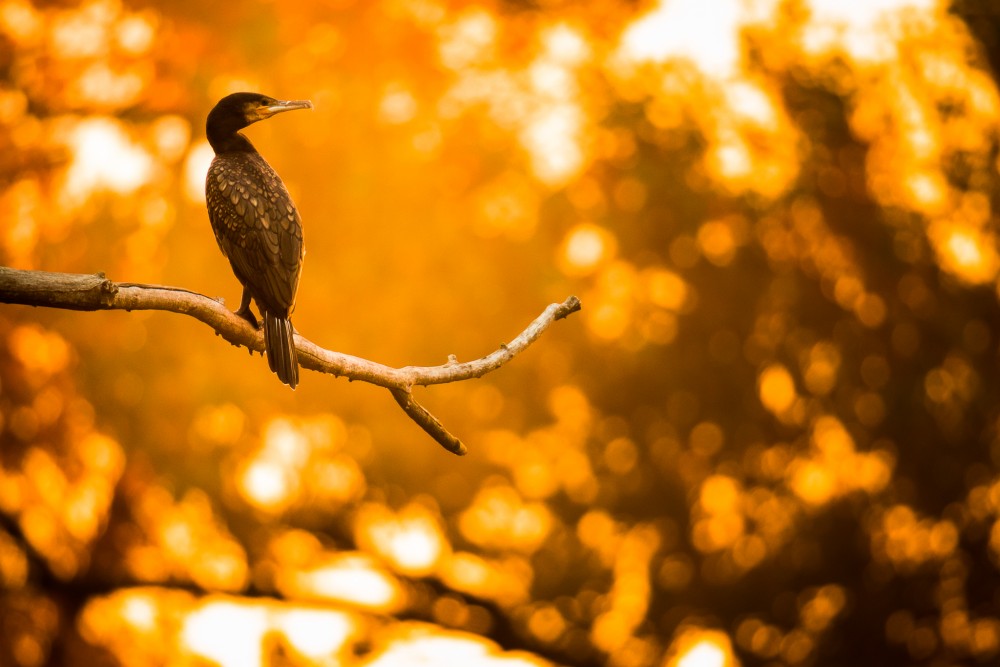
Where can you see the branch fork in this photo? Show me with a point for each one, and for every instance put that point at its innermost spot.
(74, 291)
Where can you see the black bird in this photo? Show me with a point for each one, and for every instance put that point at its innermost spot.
(256, 223)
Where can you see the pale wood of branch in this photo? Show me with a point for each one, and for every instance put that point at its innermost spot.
(74, 291)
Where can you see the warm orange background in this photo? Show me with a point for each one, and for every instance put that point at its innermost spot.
(770, 437)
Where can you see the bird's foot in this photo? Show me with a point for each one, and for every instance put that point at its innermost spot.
(248, 315)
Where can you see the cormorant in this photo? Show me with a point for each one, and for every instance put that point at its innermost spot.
(256, 223)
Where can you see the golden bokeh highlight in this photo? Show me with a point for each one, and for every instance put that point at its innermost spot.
(833, 467)
(38, 351)
(60, 515)
(586, 246)
(629, 597)
(777, 390)
(299, 462)
(550, 458)
(183, 540)
(499, 519)
(907, 541)
(723, 523)
(821, 369)
(700, 647)
(416, 643)
(301, 568)
(505, 580)
(411, 541)
(177, 627)
(105, 158)
(719, 240)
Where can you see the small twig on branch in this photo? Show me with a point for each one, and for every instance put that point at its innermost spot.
(75, 291)
(428, 422)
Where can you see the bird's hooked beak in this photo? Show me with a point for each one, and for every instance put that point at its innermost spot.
(284, 105)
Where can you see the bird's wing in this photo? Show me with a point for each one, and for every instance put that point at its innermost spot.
(257, 228)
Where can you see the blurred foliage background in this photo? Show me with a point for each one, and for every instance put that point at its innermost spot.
(770, 437)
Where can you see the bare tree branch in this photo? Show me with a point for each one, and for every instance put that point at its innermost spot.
(75, 291)
(428, 422)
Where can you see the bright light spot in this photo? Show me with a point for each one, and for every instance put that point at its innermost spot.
(398, 106)
(13, 562)
(100, 84)
(469, 570)
(859, 28)
(719, 494)
(552, 79)
(813, 483)
(415, 549)
(834, 467)
(721, 524)
(730, 159)
(749, 101)
(539, 101)
(333, 479)
(412, 541)
(565, 45)
(468, 40)
(140, 612)
(547, 623)
(286, 443)
(621, 455)
(686, 29)
(135, 34)
(499, 518)
(104, 157)
(613, 300)
(171, 134)
(506, 581)
(777, 389)
(316, 633)
(20, 20)
(350, 577)
(703, 654)
(696, 647)
(820, 374)
(186, 540)
(551, 138)
(665, 289)
(630, 592)
(416, 644)
(297, 462)
(38, 350)
(864, 14)
(966, 252)
(196, 169)
(717, 242)
(433, 650)
(164, 626)
(926, 190)
(584, 247)
(80, 34)
(265, 484)
(824, 606)
(907, 540)
(227, 633)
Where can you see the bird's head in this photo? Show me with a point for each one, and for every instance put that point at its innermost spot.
(236, 111)
(247, 108)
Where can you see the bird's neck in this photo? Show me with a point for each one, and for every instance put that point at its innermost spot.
(229, 142)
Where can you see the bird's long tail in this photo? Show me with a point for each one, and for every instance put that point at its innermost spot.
(280, 347)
